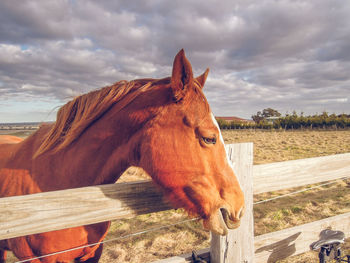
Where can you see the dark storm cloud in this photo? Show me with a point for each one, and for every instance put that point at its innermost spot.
(291, 55)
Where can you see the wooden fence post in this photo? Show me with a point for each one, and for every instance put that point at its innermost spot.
(238, 245)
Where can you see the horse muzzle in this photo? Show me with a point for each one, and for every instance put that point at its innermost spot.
(222, 221)
(231, 221)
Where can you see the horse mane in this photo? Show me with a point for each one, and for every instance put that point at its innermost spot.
(77, 115)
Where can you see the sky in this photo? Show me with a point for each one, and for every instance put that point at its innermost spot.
(287, 55)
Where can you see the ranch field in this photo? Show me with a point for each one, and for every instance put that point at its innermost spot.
(269, 146)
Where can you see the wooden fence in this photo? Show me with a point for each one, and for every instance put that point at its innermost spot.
(42, 212)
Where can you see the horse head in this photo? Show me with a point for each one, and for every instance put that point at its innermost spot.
(183, 151)
(164, 126)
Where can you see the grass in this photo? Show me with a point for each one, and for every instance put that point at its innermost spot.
(276, 146)
(269, 146)
(303, 208)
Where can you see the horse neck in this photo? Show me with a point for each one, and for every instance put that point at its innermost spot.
(101, 154)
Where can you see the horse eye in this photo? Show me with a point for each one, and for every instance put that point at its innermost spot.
(209, 140)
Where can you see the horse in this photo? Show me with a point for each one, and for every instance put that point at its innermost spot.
(164, 126)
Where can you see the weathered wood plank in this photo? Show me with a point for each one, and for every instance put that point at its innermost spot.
(24, 215)
(296, 240)
(42, 212)
(284, 175)
(287, 242)
(238, 245)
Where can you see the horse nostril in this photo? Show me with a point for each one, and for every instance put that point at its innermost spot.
(230, 220)
(241, 212)
(225, 214)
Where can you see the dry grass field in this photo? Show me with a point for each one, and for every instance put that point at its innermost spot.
(276, 146)
(269, 146)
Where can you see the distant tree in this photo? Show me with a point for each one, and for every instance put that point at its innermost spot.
(269, 112)
(222, 123)
(291, 121)
(258, 117)
(266, 113)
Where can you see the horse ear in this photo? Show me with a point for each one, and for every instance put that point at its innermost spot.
(182, 75)
(202, 78)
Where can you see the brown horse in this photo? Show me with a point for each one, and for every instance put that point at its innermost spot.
(164, 126)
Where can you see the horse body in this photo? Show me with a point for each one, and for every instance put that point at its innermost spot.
(20, 175)
(164, 126)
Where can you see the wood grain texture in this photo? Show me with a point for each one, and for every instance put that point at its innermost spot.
(238, 245)
(42, 212)
(288, 174)
(296, 240)
(284, 243)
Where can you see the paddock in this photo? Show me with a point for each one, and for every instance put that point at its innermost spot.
(42, 212)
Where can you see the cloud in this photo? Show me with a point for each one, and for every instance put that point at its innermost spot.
(286, 54)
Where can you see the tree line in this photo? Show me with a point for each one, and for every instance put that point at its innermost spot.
(290, 121)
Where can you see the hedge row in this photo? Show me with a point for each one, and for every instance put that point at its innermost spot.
(294, 121)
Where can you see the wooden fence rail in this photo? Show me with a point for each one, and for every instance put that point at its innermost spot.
(42, 212)
(283, 175)
(296, 240)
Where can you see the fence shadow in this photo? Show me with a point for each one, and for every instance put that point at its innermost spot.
(281, 249)
(137, 197)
